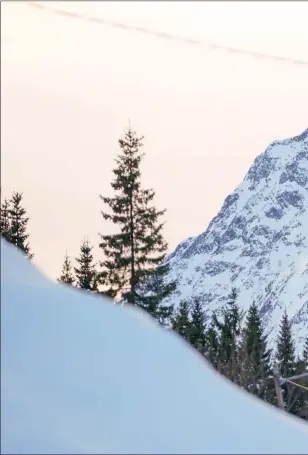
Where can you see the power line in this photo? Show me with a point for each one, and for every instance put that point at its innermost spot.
(162, 35)
(296, 384)
(298, 376)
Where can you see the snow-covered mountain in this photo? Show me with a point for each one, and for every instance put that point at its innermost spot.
(257, 243)
(81, 375)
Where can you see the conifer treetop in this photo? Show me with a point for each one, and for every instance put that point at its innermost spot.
(86, 274)
(67, 276)
(14, 223)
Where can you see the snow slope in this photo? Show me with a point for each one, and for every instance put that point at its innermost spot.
(257, 243)
(81, 375)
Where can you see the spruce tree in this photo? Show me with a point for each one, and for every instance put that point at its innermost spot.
(285, 348)
(304, 411)
(257, 357)
(300, 395)
(285, 356)
(181, 321)
(133, 254)
(211, 348)
(86, 275)
(197, 332)
(154, 290)
(18, 224)
(301, 402)
(67, 276)
(229, 337)
(5, 222)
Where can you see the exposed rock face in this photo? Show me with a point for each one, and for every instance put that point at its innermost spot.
(257, 243)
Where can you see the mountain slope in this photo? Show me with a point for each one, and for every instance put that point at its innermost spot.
(257, 243)
(81, 375)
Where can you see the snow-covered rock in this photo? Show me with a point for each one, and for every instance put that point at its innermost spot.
(257, 243)
(81, 375)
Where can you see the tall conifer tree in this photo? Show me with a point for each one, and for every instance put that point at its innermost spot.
(229, 337)
(134, 255)
(286, 348)
(257, 357)
(285, 356)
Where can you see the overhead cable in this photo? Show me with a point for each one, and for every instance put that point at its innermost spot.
(163, 35)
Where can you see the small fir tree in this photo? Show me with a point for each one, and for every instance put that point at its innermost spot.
(5, 222)
(211, 348)
(229, 337)
(181, 321)
(86, 275)
(18, 224)
(153, 291)
(197, 332)
(67, 276)
(285, 348)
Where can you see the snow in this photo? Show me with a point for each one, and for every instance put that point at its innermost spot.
(81, 375)
(257, 243)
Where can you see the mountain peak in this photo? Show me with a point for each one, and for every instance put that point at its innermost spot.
(257, 242)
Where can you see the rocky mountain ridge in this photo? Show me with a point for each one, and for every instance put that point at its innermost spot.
(257, 243)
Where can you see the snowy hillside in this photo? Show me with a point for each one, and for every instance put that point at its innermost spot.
(257, 243)
(81, 375)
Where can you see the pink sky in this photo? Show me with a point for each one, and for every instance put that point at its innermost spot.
(69, 88)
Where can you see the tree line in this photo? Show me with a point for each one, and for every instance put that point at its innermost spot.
(13, 223)
(236, 345)
(133, 271)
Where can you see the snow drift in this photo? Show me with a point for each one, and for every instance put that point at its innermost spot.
(81, 375)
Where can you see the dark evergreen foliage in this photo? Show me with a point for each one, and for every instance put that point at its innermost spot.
(229, 330)
(256, 361)
(285, 354)
(305, 352)
(181, 320)
(153, 291)
(14, 223)
(300, 393)
(67, 276)
(86, 275)
(303, 412)
(299, 396)
(5, 222)
(211, 348)
(285, 357)
(132, 256)
(197, 332)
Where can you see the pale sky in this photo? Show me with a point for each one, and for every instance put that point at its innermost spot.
(69, 88)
